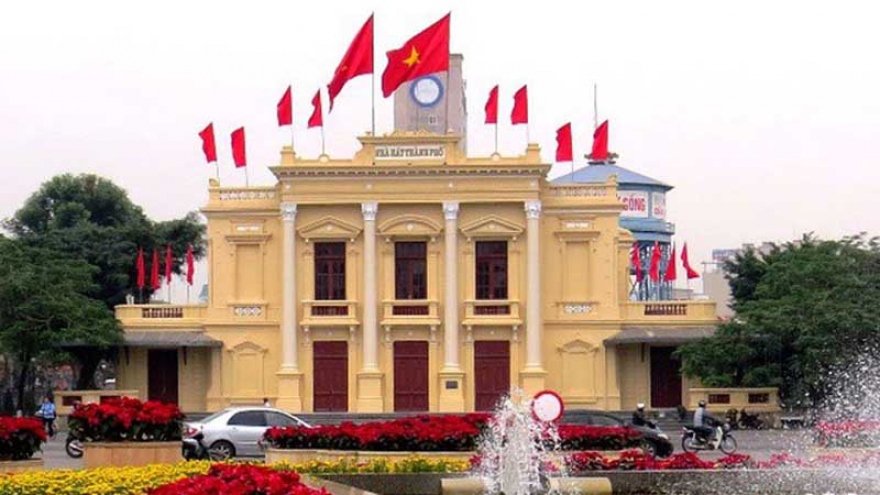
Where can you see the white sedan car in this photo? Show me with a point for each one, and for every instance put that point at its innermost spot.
(236, 431)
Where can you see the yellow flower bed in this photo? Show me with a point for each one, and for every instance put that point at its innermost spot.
(136, 480)
(101, 481)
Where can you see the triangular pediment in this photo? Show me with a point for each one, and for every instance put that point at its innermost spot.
(578, 346)
(329, 228)
(491, 226)
(410, 225)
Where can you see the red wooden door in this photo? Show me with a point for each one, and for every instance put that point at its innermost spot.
(665, 378)
(331, 376)
(411, 376)
(162, 375)
(491, 373)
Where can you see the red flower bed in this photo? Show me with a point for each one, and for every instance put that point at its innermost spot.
(228, 479)
(847, 434)
(126, 419)
(20, 438)
(449, 433)
(574, 437)
(633, 460)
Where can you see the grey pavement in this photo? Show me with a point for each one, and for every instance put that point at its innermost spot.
(759, 444)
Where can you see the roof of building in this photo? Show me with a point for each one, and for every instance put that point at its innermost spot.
(600, 172)
(659, 335)
(169, 338)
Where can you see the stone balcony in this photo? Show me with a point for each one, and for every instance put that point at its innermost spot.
(410, 312)
(641, 312)
(161, 315)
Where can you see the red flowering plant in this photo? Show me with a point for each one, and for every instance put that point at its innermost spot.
(20, 438)
(847, 433)
(126, 419)
(736, 461)
(242, 479)
(577, 437)
(447, 433)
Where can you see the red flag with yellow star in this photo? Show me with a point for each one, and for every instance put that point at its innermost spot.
(423, 54)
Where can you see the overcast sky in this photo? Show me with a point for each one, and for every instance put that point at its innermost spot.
(764, 115)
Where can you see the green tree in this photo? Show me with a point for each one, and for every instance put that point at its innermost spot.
(43, 300)
(89, 218)
(802, 309)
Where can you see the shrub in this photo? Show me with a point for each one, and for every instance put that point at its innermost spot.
(126, 419)
(20, 438)
(241, 479)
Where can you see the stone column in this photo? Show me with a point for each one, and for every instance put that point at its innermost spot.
(451, 377)
(370, 394)
(533, 374)
(289, 377)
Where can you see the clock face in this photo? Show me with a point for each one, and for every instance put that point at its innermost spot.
(427, 91)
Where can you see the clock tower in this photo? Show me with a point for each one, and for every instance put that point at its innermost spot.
(434, 103)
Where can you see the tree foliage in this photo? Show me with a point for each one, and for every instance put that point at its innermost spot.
(44, 300)
(88, 220)
(801, 310)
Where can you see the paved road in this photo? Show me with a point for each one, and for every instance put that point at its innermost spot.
(758, 444)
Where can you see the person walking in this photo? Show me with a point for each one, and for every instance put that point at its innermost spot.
(47, 412)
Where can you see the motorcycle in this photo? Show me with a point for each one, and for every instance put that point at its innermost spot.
(73, 446)
(195, 449)
(691, 442)
(750, 421)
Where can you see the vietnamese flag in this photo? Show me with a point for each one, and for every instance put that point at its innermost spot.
(671, 273)
(285, 109)
(637, 262)
(691, 273)
(140, 269)
(654, 271)
(208, 145)
(238, 151)
(492, 107)
(190, 264)
(600, 142)
(316, 120)
(520, 113)
(154, 271)
(423, 54)
(169, 263)
(563, 144)
(357, 61)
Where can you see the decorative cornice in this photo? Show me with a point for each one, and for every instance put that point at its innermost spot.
(533, 209)
(412, 171)
(450, 210)
(370, 209)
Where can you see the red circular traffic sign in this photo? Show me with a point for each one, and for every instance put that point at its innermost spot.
(548, 406)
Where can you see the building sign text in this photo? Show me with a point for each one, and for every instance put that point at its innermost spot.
(410, 151)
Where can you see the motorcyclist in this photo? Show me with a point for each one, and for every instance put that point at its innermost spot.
(639, 417)
(704, 425)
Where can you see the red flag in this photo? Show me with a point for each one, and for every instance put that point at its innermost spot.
(141, 272)
(208, 145)
(285, 109)
(423, 54)
(358, 60)
(190, 264)
(637, 262)
(238, 153)
(654, 271)
(520, 113)
(169, 262)
(154, 271)
(492, 107)
(691, 273)
(671, 273)
(317, 119)
(563, 144)
(600, 142)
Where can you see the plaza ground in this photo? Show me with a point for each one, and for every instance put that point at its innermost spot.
(759, 444)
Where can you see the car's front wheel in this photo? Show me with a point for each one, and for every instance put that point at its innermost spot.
(221, 450)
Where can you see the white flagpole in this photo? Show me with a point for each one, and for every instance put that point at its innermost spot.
(373, 79)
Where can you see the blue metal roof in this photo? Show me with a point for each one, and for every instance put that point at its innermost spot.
(599, 172)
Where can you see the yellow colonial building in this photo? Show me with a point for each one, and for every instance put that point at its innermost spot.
(412, 277)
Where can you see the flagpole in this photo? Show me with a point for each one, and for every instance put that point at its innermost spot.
(595, 108)
(217, 166)
(528, 139)
(373, 80)
(448, 68)
(496, 136)
(246, 181)
(322, 137)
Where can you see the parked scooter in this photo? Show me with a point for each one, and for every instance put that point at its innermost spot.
(73, 446)
(195, 449)
(691, 442)
(750, 421)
